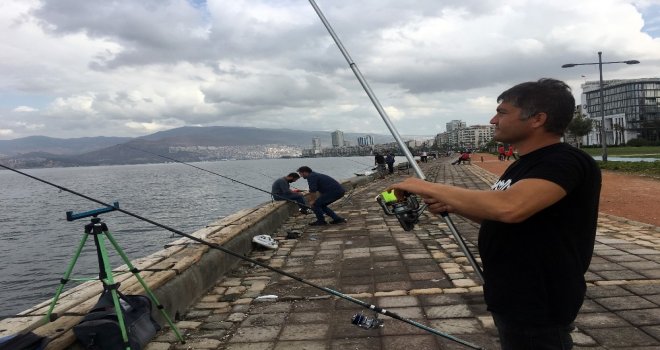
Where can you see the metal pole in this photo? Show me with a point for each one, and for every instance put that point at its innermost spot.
(395, 133)
(603, 135)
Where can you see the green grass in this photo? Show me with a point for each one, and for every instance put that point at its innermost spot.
(644, 151)
(650, 169)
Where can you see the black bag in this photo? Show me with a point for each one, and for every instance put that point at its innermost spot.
(99, 329)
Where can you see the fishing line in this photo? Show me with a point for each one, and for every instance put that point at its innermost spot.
(253, 261)
(411, 160)
(222, 176)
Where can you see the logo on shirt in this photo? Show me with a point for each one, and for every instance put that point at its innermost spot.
(501, 185)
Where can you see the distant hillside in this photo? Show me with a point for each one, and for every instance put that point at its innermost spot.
(186, 144)
(57, 146)
(237, 136)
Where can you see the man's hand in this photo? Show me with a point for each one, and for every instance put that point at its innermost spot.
(437, 207)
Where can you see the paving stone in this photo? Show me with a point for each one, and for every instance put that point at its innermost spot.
(646, 317)
(457, 325)
(355, 343)
(448, 311)
(409, 342)
(204, 343)
(621, 337)
(606, 291)
(255, 334)
(310, 331)
(625, 303)
(302, 345)
(400, 301)
(157, 346)
(259, 320)
(599, 320)
(251, 346)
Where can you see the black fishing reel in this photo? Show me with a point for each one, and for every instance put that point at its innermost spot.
(407, 209)
(363, 321)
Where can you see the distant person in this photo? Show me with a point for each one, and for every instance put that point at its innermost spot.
(390, 162)
(424, 157)
(464, 158)
(324, 190)
(379, 161)
(509, 152)
(281, 191)
(538, 221)
(500, 152)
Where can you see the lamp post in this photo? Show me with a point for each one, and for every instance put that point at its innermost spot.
(600, 63)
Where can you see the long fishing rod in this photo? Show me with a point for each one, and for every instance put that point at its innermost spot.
(222, 176)
(395, 133)
(359, 319)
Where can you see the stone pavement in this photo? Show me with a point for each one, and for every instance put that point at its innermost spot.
(420, 275)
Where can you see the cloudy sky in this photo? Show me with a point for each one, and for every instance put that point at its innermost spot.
(71, 68)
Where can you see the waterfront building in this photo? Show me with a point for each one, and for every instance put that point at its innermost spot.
(316, 145)
(337, 138)
(632, 110)
(458, 136)
(367, 140)
(455, 125)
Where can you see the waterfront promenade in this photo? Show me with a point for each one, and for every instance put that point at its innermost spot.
(420, 275)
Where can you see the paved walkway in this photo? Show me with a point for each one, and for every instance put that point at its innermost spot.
(420, 275)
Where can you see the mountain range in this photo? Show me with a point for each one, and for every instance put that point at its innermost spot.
(188, 143)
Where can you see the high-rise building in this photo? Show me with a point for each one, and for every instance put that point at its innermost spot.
(632, 110)
(337, 138)
(367, 140)
(455, 125)
(316, 145)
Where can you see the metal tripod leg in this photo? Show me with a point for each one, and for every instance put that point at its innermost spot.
(65, 279)
(151, 295)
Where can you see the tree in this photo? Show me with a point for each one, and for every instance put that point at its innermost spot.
(579, 127)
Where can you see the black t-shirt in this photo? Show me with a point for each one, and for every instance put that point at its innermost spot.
(380, 159)
(534, 270)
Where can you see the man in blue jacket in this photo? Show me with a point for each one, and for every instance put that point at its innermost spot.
(324, 191)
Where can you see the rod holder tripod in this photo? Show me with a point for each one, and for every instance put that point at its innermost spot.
(100, 233)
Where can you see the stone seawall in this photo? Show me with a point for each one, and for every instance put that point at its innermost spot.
(178, 275)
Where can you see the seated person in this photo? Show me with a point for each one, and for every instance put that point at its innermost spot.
(281, 191)
(465, 157)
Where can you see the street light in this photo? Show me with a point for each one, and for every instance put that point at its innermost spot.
(600, 63)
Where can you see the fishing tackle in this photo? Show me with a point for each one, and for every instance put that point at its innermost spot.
(395, 133)
(250, 260)
(407, 209)
(363, 321)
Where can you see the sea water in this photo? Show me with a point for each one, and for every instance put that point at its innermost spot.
(37, 243)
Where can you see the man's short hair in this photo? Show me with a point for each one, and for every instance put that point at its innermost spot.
(304, 169)
(295, 176)
(550, 96)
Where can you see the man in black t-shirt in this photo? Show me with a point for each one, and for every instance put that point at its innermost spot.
(538, 221)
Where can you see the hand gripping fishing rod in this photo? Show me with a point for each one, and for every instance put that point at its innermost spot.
(395, 133)
(358, 319)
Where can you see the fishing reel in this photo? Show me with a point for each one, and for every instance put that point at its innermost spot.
(363, 321)
(407, 209)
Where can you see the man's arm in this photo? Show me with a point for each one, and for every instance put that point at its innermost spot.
(520, 201)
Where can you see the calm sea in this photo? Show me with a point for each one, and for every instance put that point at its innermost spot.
(37, 243)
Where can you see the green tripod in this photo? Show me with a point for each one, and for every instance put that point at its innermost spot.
(99, 230)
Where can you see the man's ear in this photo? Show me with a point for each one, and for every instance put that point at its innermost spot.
(538, 119)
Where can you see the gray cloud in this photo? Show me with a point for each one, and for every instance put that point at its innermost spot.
(130, 68)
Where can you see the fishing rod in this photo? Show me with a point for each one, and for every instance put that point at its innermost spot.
(358, 319)
(397, 137)
(222, 176)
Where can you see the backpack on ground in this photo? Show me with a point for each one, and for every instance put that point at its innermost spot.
(100, 330)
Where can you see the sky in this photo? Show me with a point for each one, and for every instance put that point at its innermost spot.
(71, 68)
